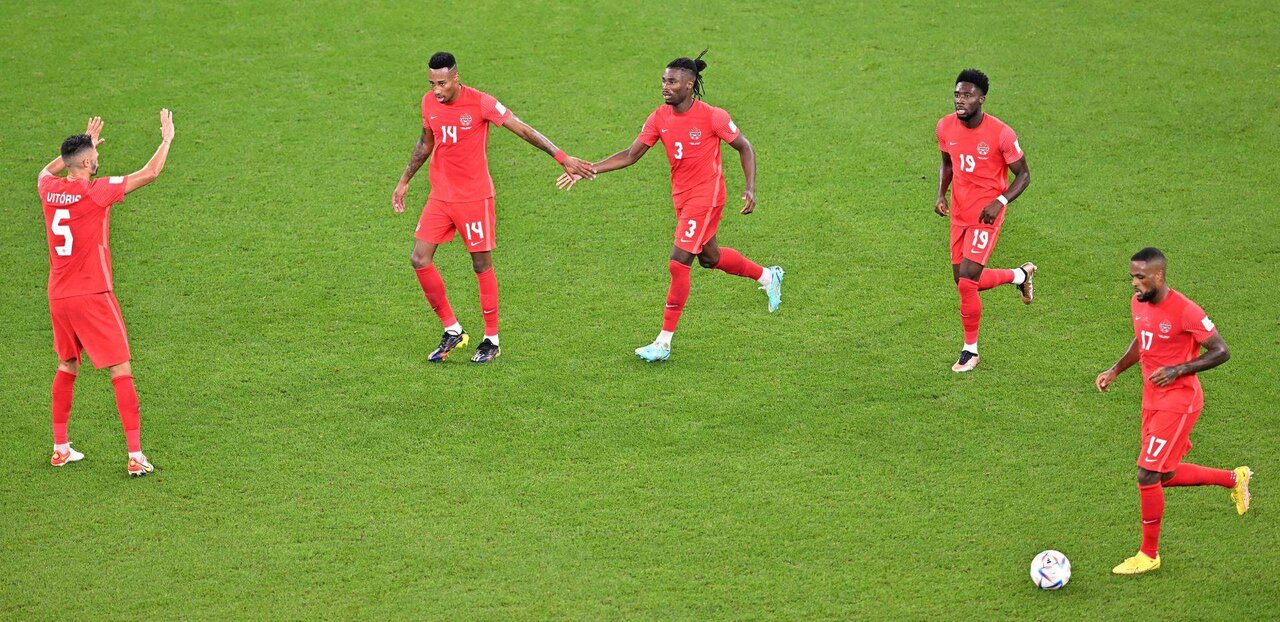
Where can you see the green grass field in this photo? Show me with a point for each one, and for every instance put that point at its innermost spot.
(819, 463)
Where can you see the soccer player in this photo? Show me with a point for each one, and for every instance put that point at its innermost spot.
(86, 315)
(1169, 332)
(455, 129)
(978, 151)
(691, 131)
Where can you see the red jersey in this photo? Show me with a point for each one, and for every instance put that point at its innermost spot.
(980, 160)
(1170, 333)
(460, 159)
(692, 140)
(77, 225)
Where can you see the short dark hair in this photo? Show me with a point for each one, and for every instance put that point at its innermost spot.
(693, 66)
(1150, 254)
(75, 144)
(974, 77)
(442, 60)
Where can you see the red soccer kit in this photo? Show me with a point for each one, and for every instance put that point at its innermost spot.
(692, 141)
(980, 160)
(462, 191)
(86, 316)
(1169, 333)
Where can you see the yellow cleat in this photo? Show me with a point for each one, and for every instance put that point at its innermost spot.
(1137, 564)
(1240, 494)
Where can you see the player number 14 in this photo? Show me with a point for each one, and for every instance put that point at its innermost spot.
(59, 216)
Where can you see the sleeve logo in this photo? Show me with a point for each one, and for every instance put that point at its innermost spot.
(733, 128)
(1016, 148)
(497, 105)
(1206, 322)
(116, 180)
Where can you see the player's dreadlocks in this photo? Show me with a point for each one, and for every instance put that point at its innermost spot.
(442, 60)
(694, 66)
(974, 77)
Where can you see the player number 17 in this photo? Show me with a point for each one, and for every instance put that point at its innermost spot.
(1146, 336)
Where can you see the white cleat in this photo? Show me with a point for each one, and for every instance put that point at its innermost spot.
(60, 458)
(138, 468)
(654, 352)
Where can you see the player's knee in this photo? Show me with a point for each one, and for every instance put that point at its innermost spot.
(481, 263)
(419, 260)
(71, 367)
(708, 260)
(123, 369)
(1148, 478)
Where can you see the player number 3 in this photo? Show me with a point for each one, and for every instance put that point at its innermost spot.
(62, 230)
(679, 151)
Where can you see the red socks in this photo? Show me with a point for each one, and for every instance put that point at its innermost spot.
(970, 308)
(488, 300)
(1196, 475)
(127, 403)
(433, 289)
(732, 262)
(1152, 498)
(994, 278)
(678, 293)
(63, 390)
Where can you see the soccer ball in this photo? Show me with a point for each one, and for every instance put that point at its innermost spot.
(1050, 570)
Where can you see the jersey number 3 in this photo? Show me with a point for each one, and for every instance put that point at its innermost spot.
(59, 229)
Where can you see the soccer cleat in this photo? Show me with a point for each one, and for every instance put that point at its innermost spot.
(774, 289)
(447, 343)
(487, 351)
(1026, 290)
(968, 360)
(1137, 564)
(71, 455)
(654, 352)
(1240, 493)
(138, 468)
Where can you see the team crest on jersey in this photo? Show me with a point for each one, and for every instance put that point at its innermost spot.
(465, 119)
(983, 149)
(1165, 326)
(695, 134)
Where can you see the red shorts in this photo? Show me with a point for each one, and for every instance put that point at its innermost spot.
(475, 219)
(697, 219)
(90, 323)
(1166, 438)
(973, 242)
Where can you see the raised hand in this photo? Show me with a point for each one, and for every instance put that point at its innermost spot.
(397, 197)
(93, 129)
(166, 125)
(748, 201)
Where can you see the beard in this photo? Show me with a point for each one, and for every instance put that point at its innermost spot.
(1147, 296)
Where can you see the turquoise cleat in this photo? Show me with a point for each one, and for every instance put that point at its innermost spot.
(774, 288)
(654, 352)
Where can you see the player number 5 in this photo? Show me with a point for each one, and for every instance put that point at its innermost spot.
(62, 230)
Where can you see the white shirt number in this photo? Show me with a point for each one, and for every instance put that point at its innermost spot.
(679, 151)
(60, 229)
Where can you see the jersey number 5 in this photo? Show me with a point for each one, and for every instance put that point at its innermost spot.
(60, 229)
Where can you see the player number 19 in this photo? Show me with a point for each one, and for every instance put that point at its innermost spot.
(966, 163)
(980, 239)
(60, 229)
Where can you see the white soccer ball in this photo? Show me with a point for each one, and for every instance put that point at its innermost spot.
(1050, 570)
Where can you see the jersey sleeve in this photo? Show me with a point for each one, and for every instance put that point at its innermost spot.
(1009, 146)
(942, 143)
(724, 126)
(109, 191)
(649, 133)
(493, 110)
(1195, 321)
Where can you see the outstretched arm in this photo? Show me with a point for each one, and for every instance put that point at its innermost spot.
(148, 173)
(1104, 379)
(748, 156)
(572, 165)
(619, 160)
(93, 129)
(1216, 353)
(421, 152)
